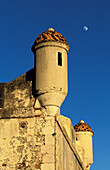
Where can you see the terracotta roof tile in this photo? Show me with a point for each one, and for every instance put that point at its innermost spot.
(82, 126)
(50, 35)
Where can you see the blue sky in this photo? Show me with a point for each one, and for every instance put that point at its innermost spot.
(88, 59)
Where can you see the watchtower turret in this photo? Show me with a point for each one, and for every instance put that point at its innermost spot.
(84, 135)
(50, 50)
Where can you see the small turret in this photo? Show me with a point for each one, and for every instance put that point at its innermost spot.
(84, 135)
(50, 50)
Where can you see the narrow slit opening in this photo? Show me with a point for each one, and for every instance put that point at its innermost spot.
(59, 59)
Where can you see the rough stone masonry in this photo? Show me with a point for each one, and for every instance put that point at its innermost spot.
(33, 134)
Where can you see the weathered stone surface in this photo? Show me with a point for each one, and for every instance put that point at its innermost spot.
(48, 158)
(47, 149)
(49, 140)
(16, 97)
(66, 153)
(48, 130)
(30, 135)
(19, 147)
(48, 166)
(68, 128)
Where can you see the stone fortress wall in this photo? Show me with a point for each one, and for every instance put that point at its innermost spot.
(33, 134)
(31, 137)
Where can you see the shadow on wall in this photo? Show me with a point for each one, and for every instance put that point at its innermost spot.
(2, 95)
(30, 76)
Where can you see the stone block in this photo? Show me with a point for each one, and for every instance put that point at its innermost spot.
(48, 130)
(47, 166)
(50, 120)
(48, 158)
(49, 140)
(47, 149)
